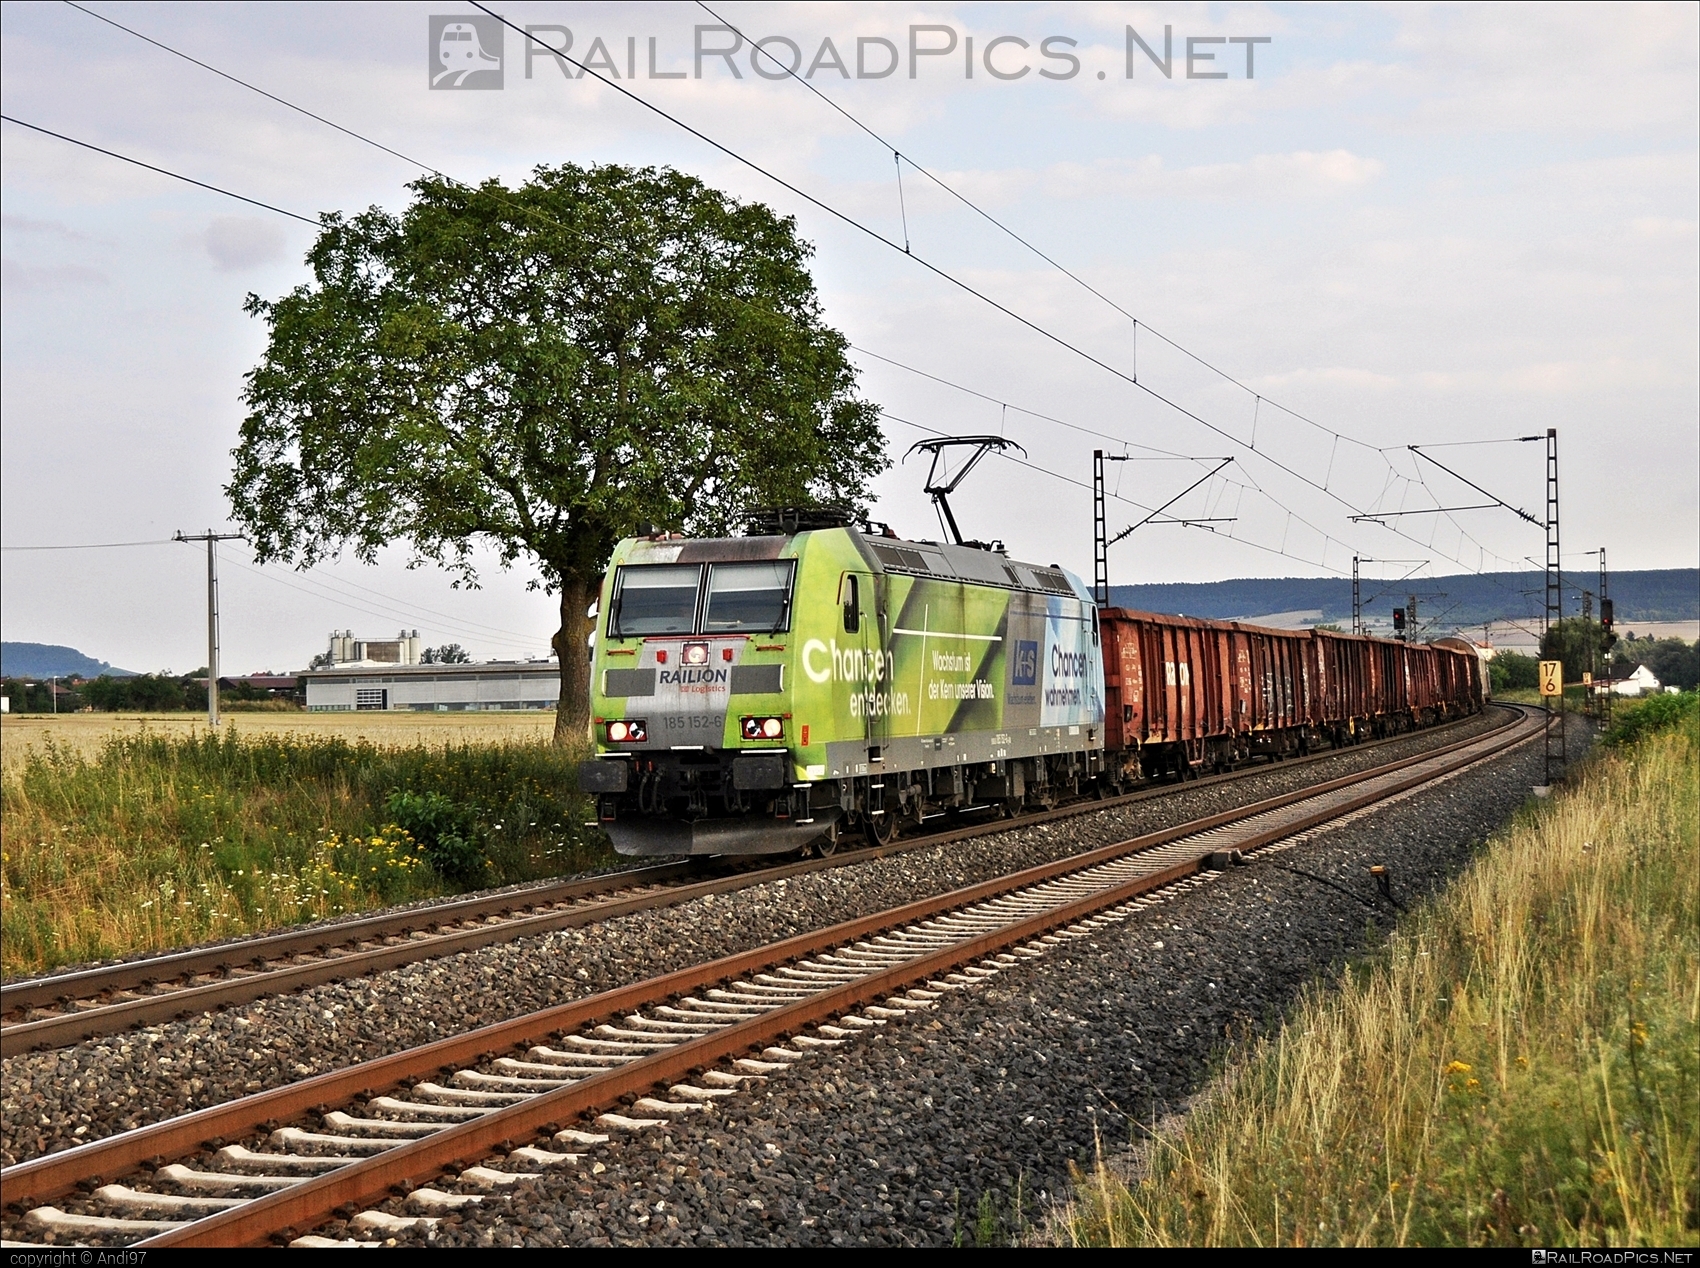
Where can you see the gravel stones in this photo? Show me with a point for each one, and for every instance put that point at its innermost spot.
(56, 1099)
(963, 1122)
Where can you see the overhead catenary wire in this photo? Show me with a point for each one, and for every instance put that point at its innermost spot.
(330, 580)
(407, 609)
(1165, 455)
(1127, 501)
(100, 17)
(1259, 399)
(848, 220)
(1034, 248)
(452, 180)
(389, 613)
(584, 69)
(152, 541)
(943, 274)
(163, 171)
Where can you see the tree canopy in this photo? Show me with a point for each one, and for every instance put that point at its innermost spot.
(1672, 661)
(1581, 643)
(541, 369)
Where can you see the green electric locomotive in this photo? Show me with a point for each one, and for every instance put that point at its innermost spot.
(773, 693)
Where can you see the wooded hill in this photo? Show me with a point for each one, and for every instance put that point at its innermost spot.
(1661, 594)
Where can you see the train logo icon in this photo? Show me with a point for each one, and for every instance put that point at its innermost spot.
(465, 52)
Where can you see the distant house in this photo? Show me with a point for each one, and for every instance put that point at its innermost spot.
(1640, 682)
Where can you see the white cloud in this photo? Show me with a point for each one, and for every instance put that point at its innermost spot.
(1572, 67)
(49, 277)
(1301, 173)
(242, 242)
(43, 228)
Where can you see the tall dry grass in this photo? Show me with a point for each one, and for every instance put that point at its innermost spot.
(85, 733)
(156, 841)
(1521, 1066)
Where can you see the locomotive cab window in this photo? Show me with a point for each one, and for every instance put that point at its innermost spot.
(748, 598)
(852, 605)
(655, 599)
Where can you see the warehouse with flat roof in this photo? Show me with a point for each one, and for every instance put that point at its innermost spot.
(530, 684)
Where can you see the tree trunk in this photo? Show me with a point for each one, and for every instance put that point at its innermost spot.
(572, 714)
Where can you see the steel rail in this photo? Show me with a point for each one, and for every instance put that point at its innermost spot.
(243, 953)
(405, 1166)
(246, 956)
(56, 1173)
(314, 1201)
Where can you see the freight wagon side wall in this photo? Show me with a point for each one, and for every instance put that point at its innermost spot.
(1176, 679)
(1282, 694)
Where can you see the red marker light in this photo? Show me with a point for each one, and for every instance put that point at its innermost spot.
(660, 656)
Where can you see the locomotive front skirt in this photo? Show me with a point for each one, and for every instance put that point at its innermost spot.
(758, 695)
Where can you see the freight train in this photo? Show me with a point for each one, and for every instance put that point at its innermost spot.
(783, 691)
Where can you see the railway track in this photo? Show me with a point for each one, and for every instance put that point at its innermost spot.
(279, 1164)
(67, 1008)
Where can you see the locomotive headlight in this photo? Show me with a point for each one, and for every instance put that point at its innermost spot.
(763, 728)
(773, 728)
(696, 653)
(632, 732)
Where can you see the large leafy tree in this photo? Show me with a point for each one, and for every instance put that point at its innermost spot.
(542, 369)
(1581, 643)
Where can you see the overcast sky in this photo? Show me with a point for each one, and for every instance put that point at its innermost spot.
(1408, 225)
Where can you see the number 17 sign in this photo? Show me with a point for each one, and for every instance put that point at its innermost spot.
(1552, 678)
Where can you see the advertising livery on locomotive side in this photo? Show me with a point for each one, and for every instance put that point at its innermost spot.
(757, 694)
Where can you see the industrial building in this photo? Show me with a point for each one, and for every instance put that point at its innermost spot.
(531, 684)
(403, 649)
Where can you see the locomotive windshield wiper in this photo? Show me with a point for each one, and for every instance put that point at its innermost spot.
(941, 488)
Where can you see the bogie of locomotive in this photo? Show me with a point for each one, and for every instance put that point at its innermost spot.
(762, 694)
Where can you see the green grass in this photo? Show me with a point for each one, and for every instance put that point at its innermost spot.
(157, 841)
(1575, 696)
(1519, 1065)
(1632, 720)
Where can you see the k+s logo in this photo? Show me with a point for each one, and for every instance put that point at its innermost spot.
(1024, 670)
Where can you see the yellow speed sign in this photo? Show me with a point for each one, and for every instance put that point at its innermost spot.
(1552, 678)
